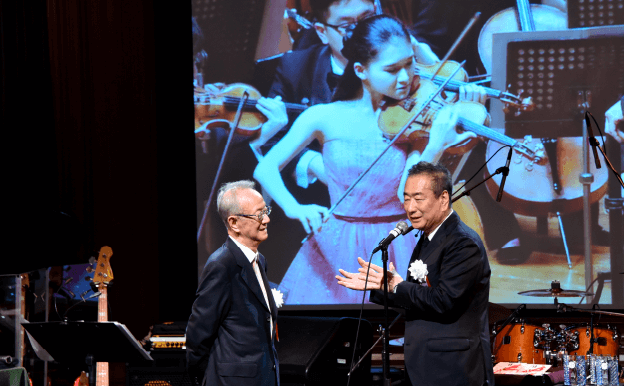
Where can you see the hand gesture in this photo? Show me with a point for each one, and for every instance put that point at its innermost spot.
(443, 133)
(275, 111)
(472, 93)
(357, 281)
(310, 216)
(423, 53)
(612, 117)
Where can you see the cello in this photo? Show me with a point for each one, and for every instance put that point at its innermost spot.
(554, 179)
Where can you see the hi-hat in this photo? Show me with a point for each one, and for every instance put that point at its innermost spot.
(555, 291)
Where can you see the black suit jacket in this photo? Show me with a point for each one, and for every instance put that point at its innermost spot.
(447, 341)
(301, 75)
(228, 338)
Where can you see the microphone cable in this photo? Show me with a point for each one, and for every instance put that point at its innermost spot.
(357, 332)
(482, 166)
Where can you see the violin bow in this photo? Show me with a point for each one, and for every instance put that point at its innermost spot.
(423, 107)
(396, 138)
(237, 118)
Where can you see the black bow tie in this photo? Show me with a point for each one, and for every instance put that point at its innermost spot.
(332, 80)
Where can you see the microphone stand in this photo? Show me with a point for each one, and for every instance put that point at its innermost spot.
(466, 192)
(385, 354)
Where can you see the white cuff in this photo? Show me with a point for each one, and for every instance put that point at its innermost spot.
(302, 172)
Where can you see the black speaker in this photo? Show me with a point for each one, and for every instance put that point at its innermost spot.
(318, 351)
(158, 376)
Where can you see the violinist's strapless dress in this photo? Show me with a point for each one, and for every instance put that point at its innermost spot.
(355, 228)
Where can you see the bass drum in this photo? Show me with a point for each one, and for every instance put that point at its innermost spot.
(516, 343)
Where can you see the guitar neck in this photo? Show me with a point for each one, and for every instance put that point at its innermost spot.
(103, 304)
(101, 374)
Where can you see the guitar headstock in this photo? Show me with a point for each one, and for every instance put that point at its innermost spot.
(103, 272)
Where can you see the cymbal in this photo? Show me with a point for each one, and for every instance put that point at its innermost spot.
(555, 293)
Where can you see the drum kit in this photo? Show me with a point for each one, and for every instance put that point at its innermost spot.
(517, 341)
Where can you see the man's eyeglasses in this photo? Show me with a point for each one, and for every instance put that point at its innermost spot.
(344, 27)
(265, 212)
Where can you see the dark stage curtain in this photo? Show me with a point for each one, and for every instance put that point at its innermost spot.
(93, 92)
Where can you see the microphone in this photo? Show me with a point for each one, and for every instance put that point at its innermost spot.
(401, 229)
(592, 140)
(505, 171)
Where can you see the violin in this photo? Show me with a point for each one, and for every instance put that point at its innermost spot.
(472, 116)
(219, 109)
(508, 99)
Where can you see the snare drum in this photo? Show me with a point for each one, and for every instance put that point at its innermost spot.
(607, 340)
(517, 343)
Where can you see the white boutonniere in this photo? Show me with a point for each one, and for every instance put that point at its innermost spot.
(418, 270)
(278, 296)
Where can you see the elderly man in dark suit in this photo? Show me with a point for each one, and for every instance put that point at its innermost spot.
(231, 331)
(446, 291)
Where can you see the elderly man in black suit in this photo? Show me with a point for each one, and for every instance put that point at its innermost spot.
(231, 331)
(446, 291)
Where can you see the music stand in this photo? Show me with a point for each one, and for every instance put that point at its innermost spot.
(92, 342)
(590, 13)
(566, 72)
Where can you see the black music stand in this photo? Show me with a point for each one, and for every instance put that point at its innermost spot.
(566, 73)
(92, 342)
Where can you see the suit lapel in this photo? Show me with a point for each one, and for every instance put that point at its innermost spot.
(247, 272)
(431, 252)
(272, 305)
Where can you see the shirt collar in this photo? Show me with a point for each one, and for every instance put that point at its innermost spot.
(430, 236)
(336, 69)
(249, 254)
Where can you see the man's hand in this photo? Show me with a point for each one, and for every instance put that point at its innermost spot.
(357, 281)
(423, 53)
(612, 117)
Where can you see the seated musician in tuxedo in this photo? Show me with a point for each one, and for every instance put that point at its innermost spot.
(445, 293)
(231, 332)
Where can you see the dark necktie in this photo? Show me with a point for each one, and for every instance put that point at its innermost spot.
(332, 80)
(423, 242)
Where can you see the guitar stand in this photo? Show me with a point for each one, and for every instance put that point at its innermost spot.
(92, 342)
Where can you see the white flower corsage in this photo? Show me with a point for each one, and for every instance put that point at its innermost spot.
(278, 296)
(418, 270)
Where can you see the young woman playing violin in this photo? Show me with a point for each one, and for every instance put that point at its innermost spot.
(381, 65)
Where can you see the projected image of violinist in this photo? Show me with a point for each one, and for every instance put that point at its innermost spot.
(380, 67)
(330, 123)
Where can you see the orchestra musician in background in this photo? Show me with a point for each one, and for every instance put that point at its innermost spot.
(381, 65)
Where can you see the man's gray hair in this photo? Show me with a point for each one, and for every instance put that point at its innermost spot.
(227, 199)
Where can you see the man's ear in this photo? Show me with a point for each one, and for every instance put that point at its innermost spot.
(359, 70)
(446, 199)
(233, 223)
(321, 31)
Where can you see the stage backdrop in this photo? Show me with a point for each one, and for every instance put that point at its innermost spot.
(534, 236)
